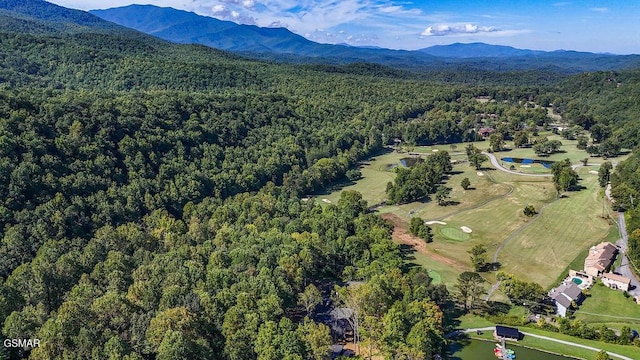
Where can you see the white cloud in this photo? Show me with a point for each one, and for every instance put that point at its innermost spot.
(455, 29)
(218, 9)
(599, 9)
(224, 12)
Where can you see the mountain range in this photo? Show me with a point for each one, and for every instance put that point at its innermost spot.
(282, 45)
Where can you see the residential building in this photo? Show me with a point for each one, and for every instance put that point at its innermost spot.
(616, 281)
(600, 259)
(565, 296)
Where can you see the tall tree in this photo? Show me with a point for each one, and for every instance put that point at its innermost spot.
(442, 195)
(475, 156)
(310, 298)
(478, 254)
(496, 141)
(564, 177)
(604, 173)
(469, 290)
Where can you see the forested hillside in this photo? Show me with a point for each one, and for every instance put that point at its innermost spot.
(150, 199)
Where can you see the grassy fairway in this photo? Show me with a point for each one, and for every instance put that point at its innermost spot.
(610, 307)
(536, 249)
(376, 173)
(565, 227)
(440, 273)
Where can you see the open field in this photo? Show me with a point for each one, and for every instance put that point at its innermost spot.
(535, 249)
(610, 307)
(565, 227)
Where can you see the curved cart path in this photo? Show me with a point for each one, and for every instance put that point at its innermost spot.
(497, 165)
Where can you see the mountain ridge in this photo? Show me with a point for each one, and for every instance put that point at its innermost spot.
(280, 44)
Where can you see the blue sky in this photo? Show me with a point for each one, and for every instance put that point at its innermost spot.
(585, 25)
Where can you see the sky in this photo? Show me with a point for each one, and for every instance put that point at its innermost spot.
(604, 26)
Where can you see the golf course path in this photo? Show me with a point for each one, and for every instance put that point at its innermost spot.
(497, 165)
(554, 340)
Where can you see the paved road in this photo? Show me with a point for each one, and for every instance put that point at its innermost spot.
(555, 340)
(624, 268)
(497, 165)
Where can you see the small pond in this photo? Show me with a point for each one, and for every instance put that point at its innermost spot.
(410, 161)
(523, 161)
(483, 350)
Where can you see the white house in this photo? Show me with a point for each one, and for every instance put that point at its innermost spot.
(616, 281)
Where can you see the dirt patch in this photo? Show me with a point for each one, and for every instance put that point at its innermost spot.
(402, 235)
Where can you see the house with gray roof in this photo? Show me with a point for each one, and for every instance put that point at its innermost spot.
(565, 296)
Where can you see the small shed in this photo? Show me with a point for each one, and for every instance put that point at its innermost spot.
(507, 333)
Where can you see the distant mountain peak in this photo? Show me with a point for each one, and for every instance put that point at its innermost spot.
(477, 50)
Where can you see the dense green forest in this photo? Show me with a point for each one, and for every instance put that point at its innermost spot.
(151, 202)
(151, 193)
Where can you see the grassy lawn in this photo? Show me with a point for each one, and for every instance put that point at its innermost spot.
(565, 228)
(626, 350)
(376, 173)
(609, 306)
(470, 321)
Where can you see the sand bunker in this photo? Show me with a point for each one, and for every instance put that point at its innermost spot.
(593, 172)
(327, 201)
(479, 173)
(465, 229)
(435, 150)
(435, 222)
(527, 166)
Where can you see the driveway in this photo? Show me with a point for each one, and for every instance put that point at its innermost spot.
(625, 267)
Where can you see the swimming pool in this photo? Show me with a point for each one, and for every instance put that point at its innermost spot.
(577, 281)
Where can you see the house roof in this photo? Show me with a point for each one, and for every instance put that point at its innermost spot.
(508, 332)
(600, 256)
(341, 313)
(616, 277)
(564, 301)
(572, 291)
